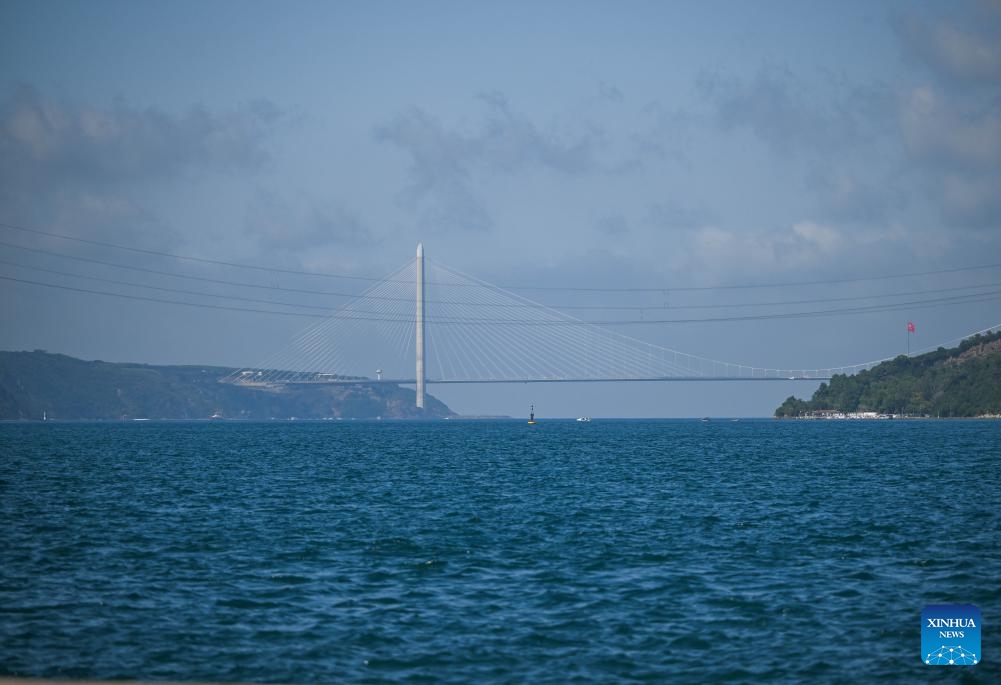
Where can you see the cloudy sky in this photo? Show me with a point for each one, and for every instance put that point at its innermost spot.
(648, 145)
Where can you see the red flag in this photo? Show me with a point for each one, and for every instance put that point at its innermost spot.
(910, 327)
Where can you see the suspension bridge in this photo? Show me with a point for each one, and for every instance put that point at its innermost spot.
(430, 324)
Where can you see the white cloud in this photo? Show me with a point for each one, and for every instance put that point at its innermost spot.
(824, 238)
(956, 144)
(46, 141)
(92, 170)
(972, 200)
(964, 53)
(941, 129)
(861, 194)
(802, 245)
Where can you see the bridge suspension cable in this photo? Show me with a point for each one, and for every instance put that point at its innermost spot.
(475, 339)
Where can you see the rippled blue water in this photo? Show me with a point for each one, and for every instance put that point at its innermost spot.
(494, 551)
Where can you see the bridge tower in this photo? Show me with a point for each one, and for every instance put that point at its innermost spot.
(419, 333)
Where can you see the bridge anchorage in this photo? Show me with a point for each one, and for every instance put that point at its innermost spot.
(455, 328)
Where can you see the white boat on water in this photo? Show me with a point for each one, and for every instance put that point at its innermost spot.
(584, 419)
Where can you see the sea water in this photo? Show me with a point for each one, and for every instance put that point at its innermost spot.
(495, 552)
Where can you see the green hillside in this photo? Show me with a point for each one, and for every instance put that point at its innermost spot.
(957, 382)
(67, 388)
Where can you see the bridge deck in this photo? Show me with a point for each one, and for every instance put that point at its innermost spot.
(468, 381)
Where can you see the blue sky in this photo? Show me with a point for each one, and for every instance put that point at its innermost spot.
(606, 145)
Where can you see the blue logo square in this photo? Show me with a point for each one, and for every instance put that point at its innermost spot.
(950, 635)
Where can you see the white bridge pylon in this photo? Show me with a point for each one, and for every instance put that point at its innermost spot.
(426, 323)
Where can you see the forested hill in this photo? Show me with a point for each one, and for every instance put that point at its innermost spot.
(962, 381)
(61, 387)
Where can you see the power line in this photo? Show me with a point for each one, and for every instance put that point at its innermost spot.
(141, 298)
(762, 286)
(917, 304)
(356, 296)
(171, 255)
(171, 274)
(179, 291)
(662, 289)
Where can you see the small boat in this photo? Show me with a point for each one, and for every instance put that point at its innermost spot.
(531, 416)
(704, 419)
(584, 419)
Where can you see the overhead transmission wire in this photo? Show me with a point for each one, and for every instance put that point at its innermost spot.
(173, 274)
(159, 300)
(477, 353)
(189, 258)
(526, 305)
(661, 289)
(960, 299)
(575, 337)
(181, 291)
(753, 286)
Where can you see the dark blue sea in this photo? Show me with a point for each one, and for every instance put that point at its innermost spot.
(496, 552)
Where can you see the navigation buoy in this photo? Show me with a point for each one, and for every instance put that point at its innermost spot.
(531, 416)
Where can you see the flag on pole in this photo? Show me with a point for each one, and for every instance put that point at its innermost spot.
(910, 327)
